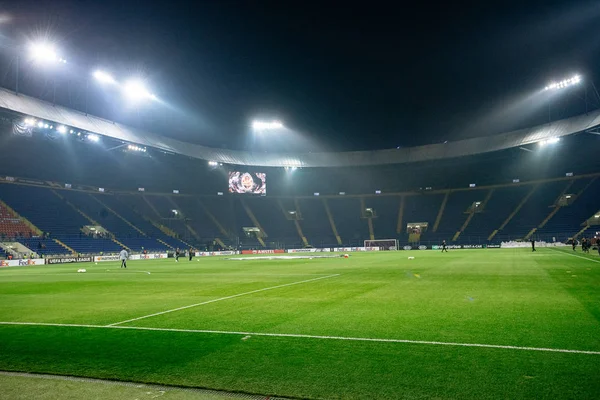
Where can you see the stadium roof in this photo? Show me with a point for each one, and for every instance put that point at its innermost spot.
(61, 115)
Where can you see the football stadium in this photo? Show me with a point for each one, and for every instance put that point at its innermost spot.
(136, 264)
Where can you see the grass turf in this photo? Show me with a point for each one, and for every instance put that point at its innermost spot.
(45, 388)
(547, 299)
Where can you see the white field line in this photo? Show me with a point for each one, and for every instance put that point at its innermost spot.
(575, 255)
(224, 298)
(301, 336)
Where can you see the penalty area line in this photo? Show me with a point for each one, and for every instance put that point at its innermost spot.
(223, 298)
(316, 337)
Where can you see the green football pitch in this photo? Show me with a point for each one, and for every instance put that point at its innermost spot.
(468, 324)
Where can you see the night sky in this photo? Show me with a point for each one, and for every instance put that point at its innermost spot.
(341, 76)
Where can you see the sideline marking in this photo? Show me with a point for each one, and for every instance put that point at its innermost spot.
(575, 255)
(223, 298)
(302, 336)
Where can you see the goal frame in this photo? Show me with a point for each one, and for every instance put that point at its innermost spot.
(374, 243)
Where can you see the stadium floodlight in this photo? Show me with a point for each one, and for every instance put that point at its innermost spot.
(133, 147)
(93, 138)
(213, 163)
(45, 52)
(175, 212)
(62, 129)
(552, 140)
(46, 126)
(266, 125)
(136, 91)
(597, 216)
(29, 121)
(103, 77)
(574, 80)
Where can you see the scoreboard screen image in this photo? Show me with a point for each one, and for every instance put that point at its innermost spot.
(248, 182)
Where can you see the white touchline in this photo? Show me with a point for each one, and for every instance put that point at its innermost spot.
(575, 255)
(302, 336)
(223, 298)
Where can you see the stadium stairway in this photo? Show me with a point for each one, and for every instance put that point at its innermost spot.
(567, 221)
(554, 209)
(204, 205)
(196, 220)
(513, 213)
(369, 218)
(242, 220)
(386, 210)
(348, 216)
(472, 213)
(332, 222)
(281, 231)
(400, 220)
(254, 221)
(131, 229)
(291, 213)
(534, 209)
(440, 213)
(297, 223)
(427, 208)
(185, 230)
(455, 212)
(494, 213)
(315, 224)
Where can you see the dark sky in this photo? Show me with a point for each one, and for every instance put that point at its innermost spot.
(341, 76)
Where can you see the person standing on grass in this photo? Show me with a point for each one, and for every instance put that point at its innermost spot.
(191, 253)
(533, 245)
(444, 246)
(177, 254)
(574, 244)
(123, 256)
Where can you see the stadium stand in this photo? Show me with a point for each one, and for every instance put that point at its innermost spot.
(508, 212)
(11, 225)
(140, 233)
(56, 218)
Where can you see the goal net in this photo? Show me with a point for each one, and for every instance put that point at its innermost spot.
(383, 244)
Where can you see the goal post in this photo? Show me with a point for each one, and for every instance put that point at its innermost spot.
(383, 244)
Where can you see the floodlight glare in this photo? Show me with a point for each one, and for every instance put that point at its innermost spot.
(62, 129)
(266, 125)
(45, 52)
(213, 163)
(104, 77)
(93, 138)
(136, 91)
(549, 141)
(574, 80)
(29, 121)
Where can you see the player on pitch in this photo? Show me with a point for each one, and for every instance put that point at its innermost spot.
(123, 256)
(444, 246)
